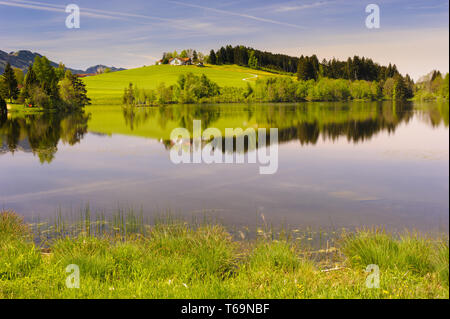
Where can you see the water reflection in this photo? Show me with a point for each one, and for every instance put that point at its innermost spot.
(307, 123)
(41, 133)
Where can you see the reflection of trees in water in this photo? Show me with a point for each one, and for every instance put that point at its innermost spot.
(355, 130)
(40, 133)
(135, 117)
(184, 115)
(307, 123)
(434, 113)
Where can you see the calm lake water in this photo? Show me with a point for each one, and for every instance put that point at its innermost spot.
(340, 164)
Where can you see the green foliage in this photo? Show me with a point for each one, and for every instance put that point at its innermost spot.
(128, 95)
(434, 88)
(253, 60)
(39, 97)
(308, 68)
(73, 92)
(388, 88)
(364, 90)
(60, 71)
(53, 88)
(198, 89)
(18, 73)
(400, 89)
(329, 90)
(190, 89)
(9, 89)
(47, 77)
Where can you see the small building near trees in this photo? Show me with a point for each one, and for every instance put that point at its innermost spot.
(180, 61)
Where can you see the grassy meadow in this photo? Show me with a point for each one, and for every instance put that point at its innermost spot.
(173, 259)
(107, 89)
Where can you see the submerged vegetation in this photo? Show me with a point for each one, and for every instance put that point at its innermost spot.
(173, 259)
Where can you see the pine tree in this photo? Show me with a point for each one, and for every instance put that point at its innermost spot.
(195, 57)
(10, 83)
(253, 61)
(212, 57)
(29, 83)
(223, 56)
(301, 69)
(305, 70)
(400, 90)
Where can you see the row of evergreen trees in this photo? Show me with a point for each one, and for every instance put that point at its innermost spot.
(353, 69)
(306, 67)
(309, 68)
(44, 86)
(245, 56)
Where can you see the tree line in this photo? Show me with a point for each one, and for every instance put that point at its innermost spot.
(191, 88)
(305, 67)
(245, 56)
(43, 86)
(389, 82)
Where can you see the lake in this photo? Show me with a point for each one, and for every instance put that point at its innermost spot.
(341, 164)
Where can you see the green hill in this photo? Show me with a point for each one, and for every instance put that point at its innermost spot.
(107, 89)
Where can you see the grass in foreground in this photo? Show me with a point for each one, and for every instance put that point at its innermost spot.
(174, 260)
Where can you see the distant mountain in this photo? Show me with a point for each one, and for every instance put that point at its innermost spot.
(23, 58)
(101, 68)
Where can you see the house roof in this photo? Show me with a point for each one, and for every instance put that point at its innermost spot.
(182, 59)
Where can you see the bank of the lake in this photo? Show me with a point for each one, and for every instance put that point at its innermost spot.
(178, 260)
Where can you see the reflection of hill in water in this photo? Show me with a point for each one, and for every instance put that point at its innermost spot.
(357, 122)
(307, 122)
(41, 133)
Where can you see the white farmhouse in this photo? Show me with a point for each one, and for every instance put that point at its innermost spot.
(180, 61)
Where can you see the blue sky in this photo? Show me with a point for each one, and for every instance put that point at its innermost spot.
(413, 34)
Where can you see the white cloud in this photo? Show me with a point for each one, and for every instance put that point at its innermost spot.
(299, 7)
(236, 14)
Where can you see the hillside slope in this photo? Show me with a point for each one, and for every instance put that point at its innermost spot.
(23, 59)
(107, 89)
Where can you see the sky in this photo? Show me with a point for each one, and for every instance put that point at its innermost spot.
(413, 34)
